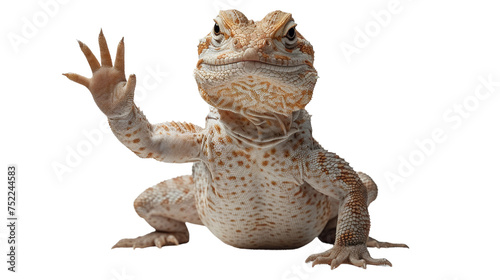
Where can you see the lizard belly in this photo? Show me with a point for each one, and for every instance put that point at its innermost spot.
(260, 213)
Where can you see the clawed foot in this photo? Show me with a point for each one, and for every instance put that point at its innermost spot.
(110, 89)
(356, 255)
(155, 238)
(372, 242)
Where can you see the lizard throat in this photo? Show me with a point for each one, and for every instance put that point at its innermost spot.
(259, 130)
(257, 87)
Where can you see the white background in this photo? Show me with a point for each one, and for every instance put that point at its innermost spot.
(425, 61)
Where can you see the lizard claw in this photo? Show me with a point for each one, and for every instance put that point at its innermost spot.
(110, 89)
(372, 242)
(155, 238)
(356, 255)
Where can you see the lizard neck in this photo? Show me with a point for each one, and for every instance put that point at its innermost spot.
(259, 129)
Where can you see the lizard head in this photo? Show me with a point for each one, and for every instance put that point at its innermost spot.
(255, 67)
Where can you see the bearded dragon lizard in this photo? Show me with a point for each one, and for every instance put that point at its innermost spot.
(259, 179)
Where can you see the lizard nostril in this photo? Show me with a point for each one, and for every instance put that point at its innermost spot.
(264, 43)
(235, 42)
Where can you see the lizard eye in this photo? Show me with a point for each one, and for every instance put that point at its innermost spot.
(291, 34)
(216, 29)
(217, 34)
(290, 37)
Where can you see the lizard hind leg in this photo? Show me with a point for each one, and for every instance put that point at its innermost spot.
(166, 206)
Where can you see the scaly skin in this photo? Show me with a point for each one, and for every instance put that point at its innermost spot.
(259, 180)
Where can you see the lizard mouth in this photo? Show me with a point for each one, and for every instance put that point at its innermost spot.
(251, 66)
(274, 62)
(251, 58)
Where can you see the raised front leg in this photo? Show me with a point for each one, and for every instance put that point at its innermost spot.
(113, 94)
(332, 176)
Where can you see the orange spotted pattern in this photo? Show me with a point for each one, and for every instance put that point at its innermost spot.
(269, 71)
(259, 179)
